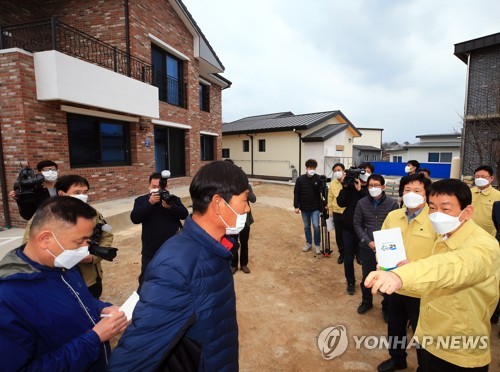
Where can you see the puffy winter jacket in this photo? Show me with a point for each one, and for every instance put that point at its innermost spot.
(186, 316)
(43, 325)
(306, 193)
(369, 216)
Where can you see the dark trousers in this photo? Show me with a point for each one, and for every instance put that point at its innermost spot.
(401, 309)
(351, 242)
(369, 264)
(244, 236)
(145, 260)
(339, 227)
(431, 363)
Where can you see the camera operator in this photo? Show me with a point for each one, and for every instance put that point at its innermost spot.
(90, 267)
(160, 220)
(28, 205)
(354, 188)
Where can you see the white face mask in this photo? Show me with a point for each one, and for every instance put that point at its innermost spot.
(69, 257)
(413, 200)
(407, 169)
(481, 182)
(443, 223)
(311, 172)
(152, 191)
(364, 177)
(375, 191)
(239, 224)
(50, 175)
(84, 198)
(338, 175)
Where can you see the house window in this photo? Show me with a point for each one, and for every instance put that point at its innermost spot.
(440, 157)
(246, 145)
(97, 141)
(262, 145)
(226, 153)
(374, 157)
(207, 147)
(204, 97)
(170, 150)
(168, 76)
(366, 157)
(397, 159)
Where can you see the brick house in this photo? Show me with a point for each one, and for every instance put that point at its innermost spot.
(481, 124)
(111, 90)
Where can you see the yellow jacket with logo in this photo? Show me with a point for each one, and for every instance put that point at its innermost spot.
(418, 235)
(333, 192)
(482, 201)
(458, 286)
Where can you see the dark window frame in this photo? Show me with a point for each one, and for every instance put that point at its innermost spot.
(226, 153)
(246, 145)
(204, 91)
(97, 142)
(262, 145)
(170, 89)
(207, 147)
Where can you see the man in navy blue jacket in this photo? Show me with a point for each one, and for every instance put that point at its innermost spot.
(185, 319)
(160, 220)
(49, 321)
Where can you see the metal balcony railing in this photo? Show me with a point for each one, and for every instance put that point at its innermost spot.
(51, 34)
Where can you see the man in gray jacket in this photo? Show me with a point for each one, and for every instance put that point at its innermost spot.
(369, 216)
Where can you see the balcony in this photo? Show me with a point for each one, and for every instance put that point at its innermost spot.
(75, 67)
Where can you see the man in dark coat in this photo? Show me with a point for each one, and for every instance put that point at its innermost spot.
(306, 200)
(160, 220)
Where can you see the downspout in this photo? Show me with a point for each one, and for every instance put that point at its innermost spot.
(462, 140)
(3, 178)
(300, 151)
(127, 37)
(251, 154)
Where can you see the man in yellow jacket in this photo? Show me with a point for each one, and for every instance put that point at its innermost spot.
(418, 239)
(458, 284)
(483, 197)
(333, 208)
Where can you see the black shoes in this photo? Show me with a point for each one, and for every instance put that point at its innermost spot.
(350, 288)
(245, 269)
(391, 365)
(364, 307)
(340, 260)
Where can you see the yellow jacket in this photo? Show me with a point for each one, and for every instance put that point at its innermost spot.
(458, 286)
(418, 235)
(333, 192)
(89, 270)
(483, 207)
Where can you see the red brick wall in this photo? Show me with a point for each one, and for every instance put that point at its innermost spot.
(34, 130)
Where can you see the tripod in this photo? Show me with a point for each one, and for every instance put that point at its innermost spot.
(323, 213)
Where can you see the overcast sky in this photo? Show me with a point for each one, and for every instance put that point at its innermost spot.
(384, 63)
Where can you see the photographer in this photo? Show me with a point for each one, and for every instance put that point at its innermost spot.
(160, 220)
(354, 188)
(28, 202)
(90, 267)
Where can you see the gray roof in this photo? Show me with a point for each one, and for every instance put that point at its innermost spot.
(281, 121)
(440, 135)
(462, 50)
(366, 148)
(324, 133)
(434, 144)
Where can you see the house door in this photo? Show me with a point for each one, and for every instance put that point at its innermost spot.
(170, 152)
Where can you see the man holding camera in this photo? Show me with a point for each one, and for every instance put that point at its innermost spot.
(29, 198)
(160, 219)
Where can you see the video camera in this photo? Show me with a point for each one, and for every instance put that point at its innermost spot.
(106, 253)
(27, 183)
(351, 175)
(164, 193)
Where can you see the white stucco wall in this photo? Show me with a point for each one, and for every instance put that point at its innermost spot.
(370, 137)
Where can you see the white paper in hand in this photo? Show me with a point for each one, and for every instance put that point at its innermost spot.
(389, 247)
(129, 305)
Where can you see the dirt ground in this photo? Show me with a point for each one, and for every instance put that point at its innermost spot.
(288, 298)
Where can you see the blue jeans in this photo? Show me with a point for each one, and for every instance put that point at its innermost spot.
(306, 218)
